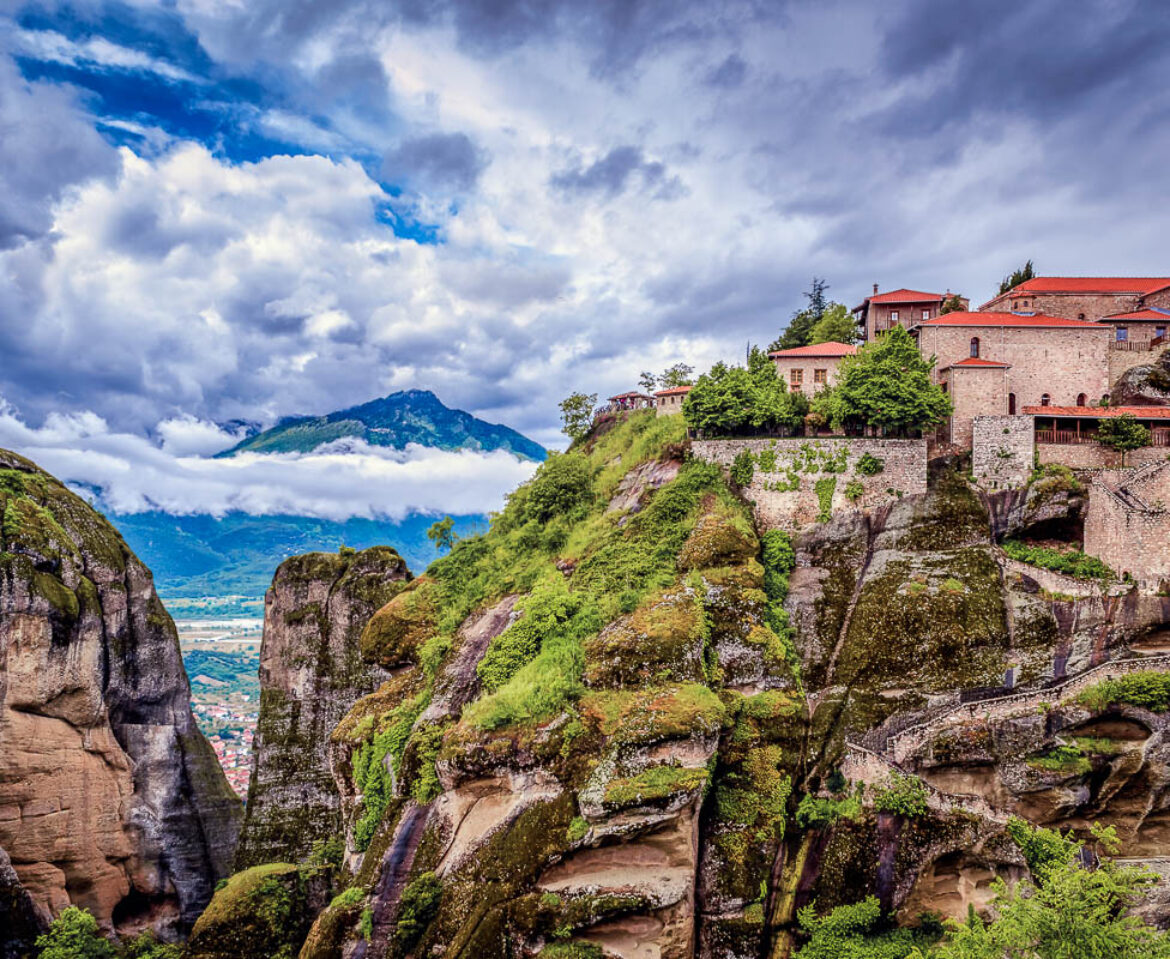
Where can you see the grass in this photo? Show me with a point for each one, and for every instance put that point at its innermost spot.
(655, 783)
(1147, 689)
(1072, 563)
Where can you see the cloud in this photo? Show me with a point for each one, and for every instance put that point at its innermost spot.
(438, 161)
(610, 174)
(729, 74)
(133, 475)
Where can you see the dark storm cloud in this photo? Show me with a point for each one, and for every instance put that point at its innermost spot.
(438, 161)
(612, 174)
(729, 74)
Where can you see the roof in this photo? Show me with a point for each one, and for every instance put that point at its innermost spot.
(1009, 319)
(974, 362)
(1089, 284)
(673, 390)
(1148, 313)
(902, 295)
(1102, 412)
(632, 395)
(830, 349)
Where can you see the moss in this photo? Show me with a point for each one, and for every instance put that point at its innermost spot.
(640, 717)
(653, 785)
(397, 632)
(720, 538)
(259, 912)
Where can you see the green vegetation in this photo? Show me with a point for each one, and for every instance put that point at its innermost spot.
(887, 385)
(1071, 562)
(736, 400)
(655, 783)
(681, 374)
(577, 414)
(1062, 759)
(808, 324)
(1016, 277)
(904, 796)
(440, 533)
(815, 811)
(261, 911)
(1147, 689)
(825, 488)
(952, 304)
(370, 774)
(1122, 433)
(743, 469)
(856, 931)
(854, 490)
(836, 325)
(870, 465)
(350, 897)
(74, 935)
(419, 904)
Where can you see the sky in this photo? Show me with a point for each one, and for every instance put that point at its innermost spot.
(215, 211)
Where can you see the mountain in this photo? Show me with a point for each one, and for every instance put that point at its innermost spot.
(235, 555)
(410, 416)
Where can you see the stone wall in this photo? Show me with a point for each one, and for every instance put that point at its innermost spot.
(1093, 456)
(1003, 450)
(1121, 361)
(797, 481)
(1127, 525)
(809, 366)
(1073, 306)
(975, 391)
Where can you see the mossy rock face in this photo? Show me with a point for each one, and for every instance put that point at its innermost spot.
(662, 641)
(397, 631)
(719, 538)
(262, 911)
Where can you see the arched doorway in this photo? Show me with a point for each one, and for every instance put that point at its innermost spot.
(1011, 404)
(1082, 400)
(974, 347)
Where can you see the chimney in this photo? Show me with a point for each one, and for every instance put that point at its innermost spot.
(875, 289)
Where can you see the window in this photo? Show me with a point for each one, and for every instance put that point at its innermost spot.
(1080, 316)
(926, 314)
(820, 377)
(1159, 332)
(1046, 400)
(974, 347)
(893, 316)
(1122, 334)
(795, 380)
(1082, 400)
(1011, 404)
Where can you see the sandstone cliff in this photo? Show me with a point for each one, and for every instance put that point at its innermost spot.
(110, 797)
(631, 720)
(311, 673)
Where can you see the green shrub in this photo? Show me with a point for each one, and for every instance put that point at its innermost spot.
(825, 488)
(418, 906)
(870, 465)
(1062, 759)
(1148, 689)
(814, 811)
(74, 935)
(904, 796)
(1072, 563)
(350, 897)
(743, 469)
(563, 483)
(854, 490)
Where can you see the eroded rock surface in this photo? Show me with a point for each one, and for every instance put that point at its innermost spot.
(110, 797)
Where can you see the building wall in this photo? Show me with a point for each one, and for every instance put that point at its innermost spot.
(1003, 450)
(974, 392)
(1122, 360)
(880, 316)
(1060, 362)
(1092, 456)
(1133, 539)
(669, 405)
(783, 489)
(1074, 306)
(808, 366)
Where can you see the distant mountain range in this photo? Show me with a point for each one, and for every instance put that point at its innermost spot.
(411, 416)
(235, 556)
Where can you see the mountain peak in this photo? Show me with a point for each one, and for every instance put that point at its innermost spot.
(407, 416)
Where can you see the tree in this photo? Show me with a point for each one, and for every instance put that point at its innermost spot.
(577, 414)
(74, 935)
(800, 327)
(442, 534)
(1012, 280)
(836, 325)
(1122, 433)
(736, 399)
(952, 304)
(681, 374)
(886, 384)
(647, 381)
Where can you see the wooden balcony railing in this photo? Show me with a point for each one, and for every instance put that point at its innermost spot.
(1158, 437)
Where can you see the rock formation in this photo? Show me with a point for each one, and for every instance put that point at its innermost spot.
(1145, 385)
(110, 797)
(633, 721)
(311, 673)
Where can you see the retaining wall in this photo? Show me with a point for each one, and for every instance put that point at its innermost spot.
(1003, 450)
(794, 479)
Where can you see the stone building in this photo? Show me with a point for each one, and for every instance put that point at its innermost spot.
(883, 311)
(809, 369)
(1084, 297)
(670, 401)
(1139, 329)
(1127, 525)
(995, 364)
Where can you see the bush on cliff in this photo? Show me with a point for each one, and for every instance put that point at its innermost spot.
(731, 400)
(74, 935)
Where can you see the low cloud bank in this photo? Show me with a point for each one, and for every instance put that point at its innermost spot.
(335, 482)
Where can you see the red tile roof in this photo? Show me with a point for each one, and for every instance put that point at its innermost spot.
(830, 349)
(1149, 313)
(1008, 319)
(1100, 412)
(673, 390)
(974, 362)
(633, 394)
(905, 296)
(1090, 284)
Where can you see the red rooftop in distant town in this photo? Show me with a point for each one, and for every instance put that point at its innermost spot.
(816, 349)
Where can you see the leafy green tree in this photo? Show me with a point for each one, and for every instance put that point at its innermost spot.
(147, 946)
(886, 385)
(442, 534)
(74, 935)
(800, 327)
(577, 414)
(952, 304)
(563, 483)
(647, 381)
(1015, 278)
(735, 399)
(681, 374)
(836, 325)
(855, 931)
(1122, 433)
